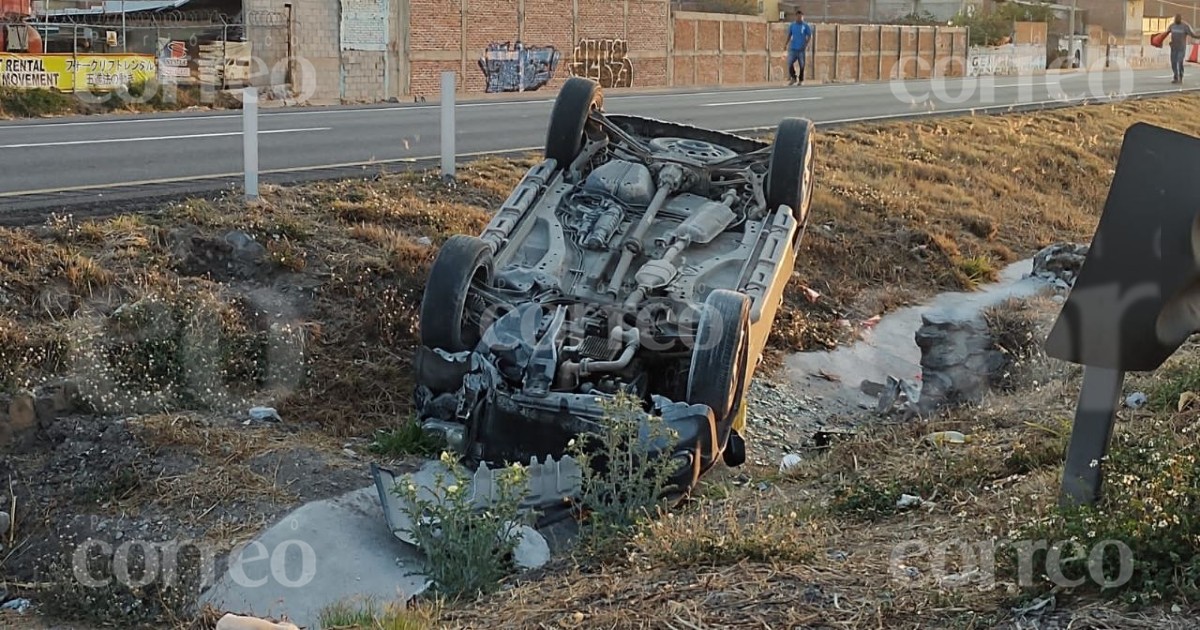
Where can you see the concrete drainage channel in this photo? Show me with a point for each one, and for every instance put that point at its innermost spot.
(915, 359)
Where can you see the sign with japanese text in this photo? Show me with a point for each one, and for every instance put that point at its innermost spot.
(70, 73)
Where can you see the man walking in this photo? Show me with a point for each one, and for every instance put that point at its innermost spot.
(1179, 31)
(799, 32)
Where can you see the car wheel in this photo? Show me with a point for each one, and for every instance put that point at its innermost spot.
(577, 98)
(719, 361)
(789, 178)
(462, 260)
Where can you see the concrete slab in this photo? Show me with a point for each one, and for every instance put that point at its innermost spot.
(891, 348)
(321, 553)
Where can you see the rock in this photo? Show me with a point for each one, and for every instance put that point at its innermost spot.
(5, 523)
(1060, 262)
(55, 400)
(871, 388)
(19, 423)
(959, 361)
(532, 550)
(245, 248)
(236, 622)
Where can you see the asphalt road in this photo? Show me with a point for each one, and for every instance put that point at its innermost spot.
(86, 155)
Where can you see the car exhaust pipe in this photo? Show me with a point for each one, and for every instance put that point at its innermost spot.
(670, 179)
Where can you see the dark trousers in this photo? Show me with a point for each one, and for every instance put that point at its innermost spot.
(1177, 55)
(796, 57)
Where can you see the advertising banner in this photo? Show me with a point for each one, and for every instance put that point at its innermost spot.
(68, 73)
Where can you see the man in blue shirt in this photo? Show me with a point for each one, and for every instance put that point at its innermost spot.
(799, 32)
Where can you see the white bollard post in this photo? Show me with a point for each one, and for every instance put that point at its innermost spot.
(448, 125)
(250, 141)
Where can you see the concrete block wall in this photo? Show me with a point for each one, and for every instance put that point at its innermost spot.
(850, 53)
(621, 43)
(720, 49)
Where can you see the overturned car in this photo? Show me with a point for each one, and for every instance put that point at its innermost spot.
(640, 256)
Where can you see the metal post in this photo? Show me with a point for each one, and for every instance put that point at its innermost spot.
(124, 33)
(448, 125)
(250, 140)
(1095, 416)
(1071, 46)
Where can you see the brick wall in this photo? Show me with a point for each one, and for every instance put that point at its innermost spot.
(621, 43)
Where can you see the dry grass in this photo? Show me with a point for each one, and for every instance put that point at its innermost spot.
(826, 546)
(903, 210)
(928, 206)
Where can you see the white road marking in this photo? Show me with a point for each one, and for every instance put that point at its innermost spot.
(538, 148)
(770, 100)
(294, 169)
(965, 110)
(610, 98)
(152, 138)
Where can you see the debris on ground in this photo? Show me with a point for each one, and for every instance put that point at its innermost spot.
(1136, 400)
(265, 414)
(237, 622)
(790, 461)
(19, 605)
(1186, 399)
(533, 551)
(1060, 263)
(5, 523)
(941, 438)
(898, 395)
(907, 501)
(958, 360)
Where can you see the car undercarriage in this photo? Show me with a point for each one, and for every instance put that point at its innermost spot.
(641, 258)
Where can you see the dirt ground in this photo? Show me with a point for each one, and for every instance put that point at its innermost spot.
(159, 332)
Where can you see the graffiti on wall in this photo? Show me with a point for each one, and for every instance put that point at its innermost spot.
(1018, 59)
(510, 67)
(605, 61)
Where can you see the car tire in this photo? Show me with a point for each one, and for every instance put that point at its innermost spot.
(461, 260)
(790, 174)
(719, 362)
(568, 121)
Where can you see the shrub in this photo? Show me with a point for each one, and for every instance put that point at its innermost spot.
(623, 480)
(34, 103)
(1151, 490)
(468, 551)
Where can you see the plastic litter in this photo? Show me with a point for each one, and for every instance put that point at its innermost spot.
(1136, 400)
(907, 501)
(237, 622)
(265, 414)
(790, 461)
(19, 605)
(941, 438)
